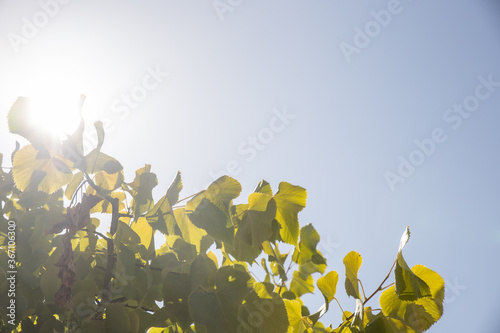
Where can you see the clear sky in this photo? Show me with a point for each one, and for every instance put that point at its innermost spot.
(387, 112)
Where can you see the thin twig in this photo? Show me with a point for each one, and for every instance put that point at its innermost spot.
(377, 290)
(189, 197)
(340, 306)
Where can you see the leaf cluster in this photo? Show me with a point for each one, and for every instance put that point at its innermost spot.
(72, 277)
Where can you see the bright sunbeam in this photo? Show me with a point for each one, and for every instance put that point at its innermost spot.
(56, 112)
(54, 94)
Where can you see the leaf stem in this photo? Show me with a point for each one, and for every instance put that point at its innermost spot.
(362, 288)
(378, 289)
(189, 197)
(340, 306)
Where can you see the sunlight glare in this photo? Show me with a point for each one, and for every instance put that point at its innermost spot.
(54, 102)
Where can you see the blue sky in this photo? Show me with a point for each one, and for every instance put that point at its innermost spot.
(267, 90)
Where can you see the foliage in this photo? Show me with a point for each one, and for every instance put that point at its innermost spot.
(73, 278)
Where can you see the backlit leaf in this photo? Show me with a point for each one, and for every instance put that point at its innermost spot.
(142, 190)
(174, 189)
(290, 200)
(352, 262)
(409, 287)
(264, 187)
(301, 284)
(190, 233)
(255, 226)
(263, 311)
(294, 313)
(310, 260)
(217, 310)
(144, 230)
(422, 313)
(97, 161)
(47, 174)
(327, 284)
(209, 210)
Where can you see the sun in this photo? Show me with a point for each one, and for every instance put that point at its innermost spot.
(55, 100)
(57, 112)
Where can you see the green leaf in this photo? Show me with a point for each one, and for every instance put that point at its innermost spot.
(294, 314)
(409, 287)
(108, 182)
(126, 235)
(255, 227)
(144, 230)
(209, 210)
(116, 318)
(18, 118)
(422, 313)
(290, 200)
(174, 189)
(202, 272)
(50, 283)
(263, 311)
(97, 161)
(73, 185)
(161, 217)
(301, 284)
(99, 127)
(175, 291)
(142, 190)
(94, 326)
(264, 187)
(46, 174)
(327, 284)
(352, 262)
(217, 311)
(309, 259)
(381, 324)
(190, 233)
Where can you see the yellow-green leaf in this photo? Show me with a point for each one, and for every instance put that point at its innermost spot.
(46, 173)
(301, 284)
(409, 287)
(190, 233)
(422, 313)
(327, 284)
(144, 230)
(290, 200)
(352, 262)
(294, 313)
(209, 209)
(73, 185)
(310, 260)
